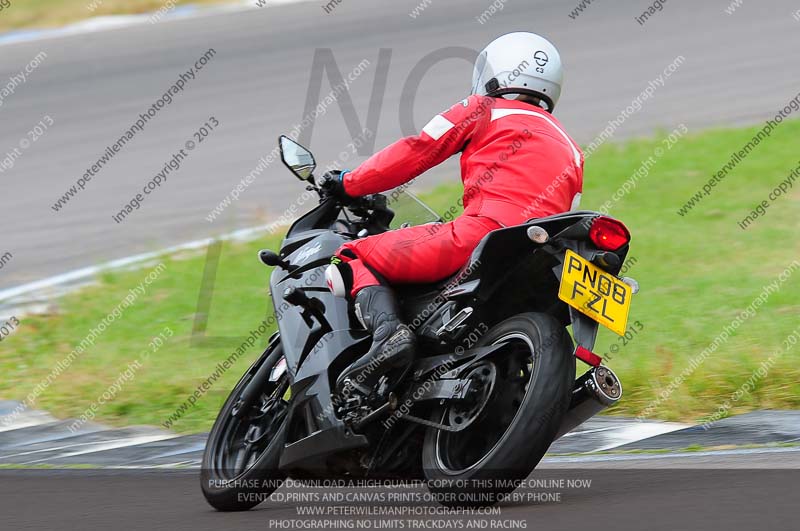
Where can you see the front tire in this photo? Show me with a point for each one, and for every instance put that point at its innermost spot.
(510, 433)
(240, 462)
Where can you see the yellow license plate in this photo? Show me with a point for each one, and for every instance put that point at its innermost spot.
(595, 293)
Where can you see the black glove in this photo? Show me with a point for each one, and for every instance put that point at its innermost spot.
(331, 185)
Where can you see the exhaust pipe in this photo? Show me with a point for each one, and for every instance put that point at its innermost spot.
(595, 391)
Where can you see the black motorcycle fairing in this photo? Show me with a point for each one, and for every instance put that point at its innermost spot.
(312, 249)
(311, 260)
(290, 245)
(319, 217)
(314, 378)
(311, 455)
(315, 354)
(314, 429)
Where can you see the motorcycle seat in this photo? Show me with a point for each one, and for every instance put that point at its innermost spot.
(562, 215)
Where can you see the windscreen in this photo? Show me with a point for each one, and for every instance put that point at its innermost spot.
(409, 210)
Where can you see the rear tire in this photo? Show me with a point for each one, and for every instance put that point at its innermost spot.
(231, 478)
(496, 451)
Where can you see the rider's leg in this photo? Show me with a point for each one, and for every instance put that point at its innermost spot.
(376, 307)
(417, 255)
(422, 254)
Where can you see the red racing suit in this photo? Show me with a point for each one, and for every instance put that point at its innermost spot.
(517, 163)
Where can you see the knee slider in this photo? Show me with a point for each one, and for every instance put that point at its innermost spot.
(339, 278)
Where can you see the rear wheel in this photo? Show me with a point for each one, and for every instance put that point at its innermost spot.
(240, 463)
(517, 400)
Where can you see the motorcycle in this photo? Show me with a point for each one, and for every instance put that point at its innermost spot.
(493, 383)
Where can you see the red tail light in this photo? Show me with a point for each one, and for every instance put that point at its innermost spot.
(609, 234)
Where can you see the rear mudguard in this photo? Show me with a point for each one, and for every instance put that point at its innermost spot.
(584, 329)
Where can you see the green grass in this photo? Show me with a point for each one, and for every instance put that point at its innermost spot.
(49, 13)
(238, 304)
(697, 273)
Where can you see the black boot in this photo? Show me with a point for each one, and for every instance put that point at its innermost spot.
(392, 342)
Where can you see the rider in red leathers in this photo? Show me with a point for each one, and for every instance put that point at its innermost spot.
(517, 163)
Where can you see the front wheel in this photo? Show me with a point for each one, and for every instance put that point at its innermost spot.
(519, 396)
(240, 463)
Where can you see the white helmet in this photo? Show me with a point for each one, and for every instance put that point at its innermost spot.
(519, 63)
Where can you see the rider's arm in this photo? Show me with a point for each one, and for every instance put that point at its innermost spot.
(446, 134)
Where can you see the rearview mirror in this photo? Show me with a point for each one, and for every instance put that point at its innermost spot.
(297, 158)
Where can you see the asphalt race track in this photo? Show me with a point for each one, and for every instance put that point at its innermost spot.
(632, 497)
(94, 86)
(145, 478)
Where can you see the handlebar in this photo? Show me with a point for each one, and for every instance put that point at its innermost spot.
(356, 204)
(370, 202)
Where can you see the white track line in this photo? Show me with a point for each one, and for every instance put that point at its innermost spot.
(26, 419)
(85, 274)
(91, 447)
(637, 432)
(626, 431)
